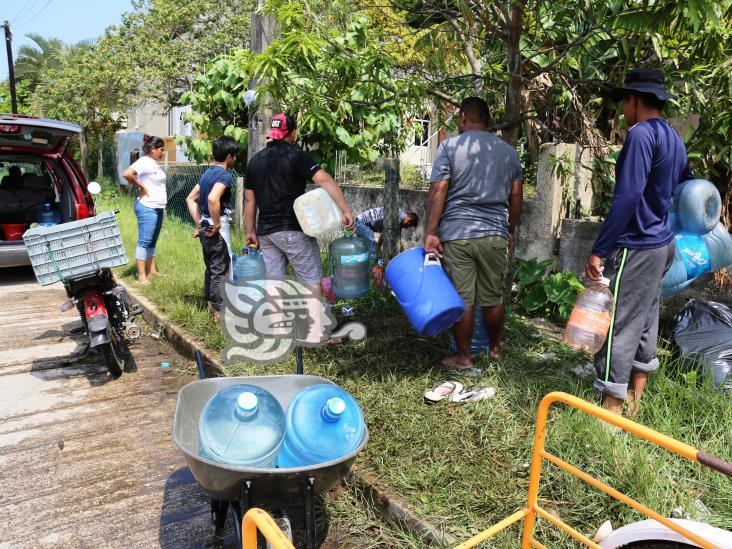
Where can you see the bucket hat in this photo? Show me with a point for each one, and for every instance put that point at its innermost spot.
(649, 81)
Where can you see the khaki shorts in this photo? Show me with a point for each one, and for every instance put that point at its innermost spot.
(295, 248)
(477, 268)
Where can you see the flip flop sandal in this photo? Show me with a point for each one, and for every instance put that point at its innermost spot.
(442, 391)
(472, 396)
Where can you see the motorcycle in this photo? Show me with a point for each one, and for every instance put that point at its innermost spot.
(106, 312)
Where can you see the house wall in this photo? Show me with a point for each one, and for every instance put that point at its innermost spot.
(150, 119)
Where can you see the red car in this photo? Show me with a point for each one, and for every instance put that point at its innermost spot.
(36, 169)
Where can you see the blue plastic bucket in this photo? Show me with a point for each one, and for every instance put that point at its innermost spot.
(424, 292)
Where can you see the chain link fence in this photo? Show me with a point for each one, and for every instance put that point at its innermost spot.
(181, 178)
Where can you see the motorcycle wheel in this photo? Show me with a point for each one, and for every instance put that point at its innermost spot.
(113, 355)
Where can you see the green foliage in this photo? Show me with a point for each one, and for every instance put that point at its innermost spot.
(550, 295)
(22, 95)
(85, 86)
(339, 83)
(563, 168)
(162, 44)
(33, 62)
(603, 181)
(412, 177)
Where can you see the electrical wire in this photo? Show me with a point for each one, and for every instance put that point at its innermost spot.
(23, 10)
(39, 12)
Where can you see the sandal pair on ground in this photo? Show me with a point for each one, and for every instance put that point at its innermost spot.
(454, 391)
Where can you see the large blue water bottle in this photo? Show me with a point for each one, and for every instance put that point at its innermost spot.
(324, 423)
(250, 264)
(480, 341)
(48, 217)
(349, 267)
(242, 425)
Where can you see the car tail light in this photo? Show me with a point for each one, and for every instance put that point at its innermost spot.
(9, 128)
(82, 211)
(91, 208)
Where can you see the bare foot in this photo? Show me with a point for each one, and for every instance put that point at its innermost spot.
(632, 408)
(457, 363)
(154, 273)
(143, 281)
(496, 351)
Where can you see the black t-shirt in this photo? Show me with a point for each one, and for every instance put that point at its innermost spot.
(278, 175)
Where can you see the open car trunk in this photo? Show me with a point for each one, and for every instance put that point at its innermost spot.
(36, 169)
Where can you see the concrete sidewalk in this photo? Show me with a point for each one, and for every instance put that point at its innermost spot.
(87, 460)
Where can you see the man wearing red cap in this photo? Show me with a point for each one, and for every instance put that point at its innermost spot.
(274, 178)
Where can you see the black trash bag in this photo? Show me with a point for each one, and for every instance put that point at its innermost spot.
(703, 331)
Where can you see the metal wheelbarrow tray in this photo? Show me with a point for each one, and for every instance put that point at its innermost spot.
(239, 488)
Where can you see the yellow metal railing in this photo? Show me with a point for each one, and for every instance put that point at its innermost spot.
(257, 519)
(532, 510)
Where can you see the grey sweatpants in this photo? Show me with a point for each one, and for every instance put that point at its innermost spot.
(635, 282)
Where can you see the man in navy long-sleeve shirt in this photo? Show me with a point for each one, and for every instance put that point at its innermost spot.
(636, 243)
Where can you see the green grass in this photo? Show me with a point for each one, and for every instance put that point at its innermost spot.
(464, 467)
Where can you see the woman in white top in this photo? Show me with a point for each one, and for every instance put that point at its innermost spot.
(149, 178)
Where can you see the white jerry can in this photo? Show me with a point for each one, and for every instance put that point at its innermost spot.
(317, 213)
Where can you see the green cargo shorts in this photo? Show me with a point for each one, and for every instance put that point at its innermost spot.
(477, 268)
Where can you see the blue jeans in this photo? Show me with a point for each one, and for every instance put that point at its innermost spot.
(149, 223)
(365, 233)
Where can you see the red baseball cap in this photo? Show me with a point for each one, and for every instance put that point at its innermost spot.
(282, 125)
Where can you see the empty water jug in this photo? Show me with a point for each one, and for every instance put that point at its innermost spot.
(696, 255)
(242, 425)
(349, 267)
(590, 319)
(324, 423)
(48, 217)
(317, 213)
(250, 264)
(480, 341)
(697, 206)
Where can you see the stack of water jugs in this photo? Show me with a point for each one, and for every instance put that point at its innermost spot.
(703, 244)
(245, 425)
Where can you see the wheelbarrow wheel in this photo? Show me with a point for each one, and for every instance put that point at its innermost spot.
(657, 544)
(283, 521)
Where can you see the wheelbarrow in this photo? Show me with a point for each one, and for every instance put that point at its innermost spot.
(233, 489)
(657, 533)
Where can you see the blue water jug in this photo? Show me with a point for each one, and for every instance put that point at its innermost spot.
(250, 264)
(696, 255)
(349, 267)
(242, 425)
(48, 217)
(424, 291)
(697, 206)
(480, 341)
(324, 423)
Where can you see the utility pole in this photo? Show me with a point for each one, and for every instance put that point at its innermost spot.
(260, 118)
(11, 69)
(263, 30)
